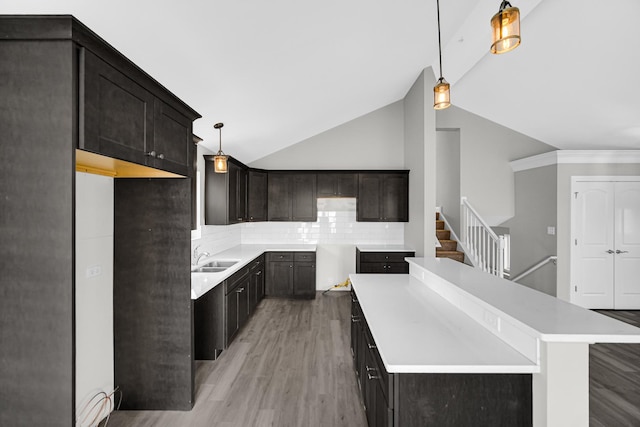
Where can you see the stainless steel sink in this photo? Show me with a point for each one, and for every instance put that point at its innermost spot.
(215, 266)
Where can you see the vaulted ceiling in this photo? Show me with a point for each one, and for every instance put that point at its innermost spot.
(281, 71)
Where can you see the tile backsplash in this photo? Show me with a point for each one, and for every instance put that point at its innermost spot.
(336, 225)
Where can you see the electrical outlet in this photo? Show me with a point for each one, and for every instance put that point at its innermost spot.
(551, 231)
(492, 320)
(93, 271)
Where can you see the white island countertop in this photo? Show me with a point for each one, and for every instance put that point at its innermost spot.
(201, 283)
(418, 331)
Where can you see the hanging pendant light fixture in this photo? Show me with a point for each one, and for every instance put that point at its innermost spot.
(441, 91)
(505, 26)
(220, 159)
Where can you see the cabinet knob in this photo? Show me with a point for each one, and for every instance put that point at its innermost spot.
(239, 291)
(618, 251)
(161, 156)
(611, 251)
(150, 153)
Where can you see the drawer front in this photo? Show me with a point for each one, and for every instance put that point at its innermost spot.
(304, 256)
(384, 256)
(279, 256)
(373, 267)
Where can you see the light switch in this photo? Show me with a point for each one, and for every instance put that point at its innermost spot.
(93, 271)
(551, 231)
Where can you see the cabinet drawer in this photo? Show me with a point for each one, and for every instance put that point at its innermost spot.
(235, 280)
(384, 256)
(279, 256)
(304, 256)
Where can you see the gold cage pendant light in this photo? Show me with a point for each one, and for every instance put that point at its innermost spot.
(505, 28)
(442, 89)
(220, 159)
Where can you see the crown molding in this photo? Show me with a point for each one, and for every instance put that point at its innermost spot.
(576, 157)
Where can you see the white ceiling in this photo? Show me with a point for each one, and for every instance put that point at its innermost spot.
(281, 71)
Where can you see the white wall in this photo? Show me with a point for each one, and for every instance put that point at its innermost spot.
(94, 295)
(486, 148)
(448, 175)
(373, 141)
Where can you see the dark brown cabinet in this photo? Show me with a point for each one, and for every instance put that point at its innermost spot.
(236, 303)
(257, 195)
(225, 193)
(291, 274)
(438, 399)
(123, 120)
(292, 197)
(383, 197)
(382, 262)
(256, 286)
(338, 184)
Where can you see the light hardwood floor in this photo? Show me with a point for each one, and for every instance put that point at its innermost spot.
(614, 379)
(290, 366)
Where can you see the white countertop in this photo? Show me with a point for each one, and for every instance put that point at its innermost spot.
(201, 283)
(384, 248)
(541, 315)
(418, 331)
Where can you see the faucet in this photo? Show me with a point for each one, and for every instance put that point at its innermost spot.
(196, 257)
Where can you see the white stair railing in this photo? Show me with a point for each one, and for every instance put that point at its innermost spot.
(485, 248)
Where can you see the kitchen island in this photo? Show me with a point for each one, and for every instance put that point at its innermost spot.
(451, 345)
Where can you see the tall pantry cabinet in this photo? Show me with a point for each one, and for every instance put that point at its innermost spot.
(69, 100)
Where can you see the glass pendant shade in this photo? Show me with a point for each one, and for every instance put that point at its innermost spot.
(441, 95)
(505, 27)
(220, 162)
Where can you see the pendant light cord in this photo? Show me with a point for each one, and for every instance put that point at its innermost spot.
(439, 42)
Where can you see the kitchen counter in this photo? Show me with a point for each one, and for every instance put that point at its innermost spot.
(384, 248)
(201, 283)
(418, 331)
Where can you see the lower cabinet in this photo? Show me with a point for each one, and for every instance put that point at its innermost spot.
(434, 399)
(256, 283)
(382, 262)
(291, 274)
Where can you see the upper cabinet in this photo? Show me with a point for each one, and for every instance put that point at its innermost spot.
(291, 196)
(123, 120)
(337, 184)
(225, 193)
(383, 196)
(257, 195)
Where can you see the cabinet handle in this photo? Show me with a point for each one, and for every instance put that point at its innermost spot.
(291, 266)
(239, 291)
(370, 369)
(355, 319)
(150, 153)
(618, 251)
(373, 377)
(611, 251)
(371, 346)
(259, 273)
(281, 256)
(161, 156)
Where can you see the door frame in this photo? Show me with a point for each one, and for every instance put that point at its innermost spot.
(572, 213)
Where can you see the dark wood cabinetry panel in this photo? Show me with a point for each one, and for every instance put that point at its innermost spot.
(383, 197)
(256, 286)
(237, 303)
(209, 324)
(304, 203)
(118, 114)
(172, 140)
(279, 278)
(151, 294)
(257, 195)
(291, 274)
(279, 197)
(304, 279)
(225, 193)
(339, 184)
(382, 262)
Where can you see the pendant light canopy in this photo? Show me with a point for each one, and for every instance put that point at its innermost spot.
(505, 26)
(220, 159)
(441, 91)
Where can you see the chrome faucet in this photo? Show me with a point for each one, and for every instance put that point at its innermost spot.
(196, 257)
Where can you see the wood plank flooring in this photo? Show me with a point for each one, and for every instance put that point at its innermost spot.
(614, 379)
(290, 366)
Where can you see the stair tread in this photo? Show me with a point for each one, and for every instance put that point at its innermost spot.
(444, 252)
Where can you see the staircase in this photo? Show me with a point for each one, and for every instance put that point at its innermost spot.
(448, 247)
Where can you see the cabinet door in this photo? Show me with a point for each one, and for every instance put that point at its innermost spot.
(369, 203)
(233, 196)
(395, 197)
(118, 114)
(304, 279)
(231, 300)
(172, 139)
(347, 184)
(327, 184)
(257, 196)
(280, 279)
(304, 199)
(279, 197)
(208, 324)
(242, 292)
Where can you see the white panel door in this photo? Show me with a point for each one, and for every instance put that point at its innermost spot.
(592, 281)
(627, 245)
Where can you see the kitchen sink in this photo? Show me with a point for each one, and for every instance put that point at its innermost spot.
(215, 266)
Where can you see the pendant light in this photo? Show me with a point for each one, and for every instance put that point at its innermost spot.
(505, 26)
(441, 91)
(220, 159)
